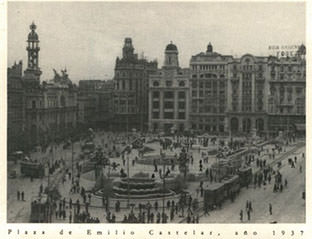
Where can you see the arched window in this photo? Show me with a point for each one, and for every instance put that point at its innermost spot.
(63, 102)
(234, 124)
(155, 83)
(182, 84)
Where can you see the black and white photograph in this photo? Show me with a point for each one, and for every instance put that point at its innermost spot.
(156, 112)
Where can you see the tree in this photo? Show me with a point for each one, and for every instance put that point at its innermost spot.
(179, 184)
(106, 187)
(183, 166)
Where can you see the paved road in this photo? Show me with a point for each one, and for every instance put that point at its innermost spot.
(19, 211)
(288, 206)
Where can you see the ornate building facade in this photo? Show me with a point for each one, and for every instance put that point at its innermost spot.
(130, 89)
(50, 107)
(247, 98)
(209, 91)
(16, 112)
(95, 103)
(169, 95)
(286, 91)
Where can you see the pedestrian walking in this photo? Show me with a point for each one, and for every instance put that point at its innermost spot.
(22, 194)
(250, 206)
(241, 215)
(270, 209)
(18, 195)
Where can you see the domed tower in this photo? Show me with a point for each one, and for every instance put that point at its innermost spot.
(209, 48)
(127, 50)
(171, 56)
(32, 73)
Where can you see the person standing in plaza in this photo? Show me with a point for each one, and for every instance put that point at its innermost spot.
(248, 214)
(22, 195)
(270, 209)
(241, 214)
(250, 206)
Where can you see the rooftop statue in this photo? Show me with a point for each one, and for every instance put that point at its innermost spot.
(61, 79)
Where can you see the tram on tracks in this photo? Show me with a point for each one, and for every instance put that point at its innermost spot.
(245, 176)
(39, 209)
(32, 169)
(215, 194)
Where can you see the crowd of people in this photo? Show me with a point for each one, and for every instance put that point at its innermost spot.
(79, 212)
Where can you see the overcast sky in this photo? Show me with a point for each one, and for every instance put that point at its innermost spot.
(87, 37)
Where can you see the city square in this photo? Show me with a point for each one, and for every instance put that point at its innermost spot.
(219, 141)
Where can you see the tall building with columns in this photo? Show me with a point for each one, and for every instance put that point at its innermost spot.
(168, 95)
(130, 89)
(286, 93)
(247, 88)
(209, 91)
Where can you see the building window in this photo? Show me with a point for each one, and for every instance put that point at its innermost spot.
(181, 95)
(168, 104)
(33, 104)
(168, 83)
(181, 105)
(168, 115)
(156, 104)
(194, 84)
(182, 84)
(155, 83)
(155, 94)
(181, 115)
(201, 85)
(169, 94)
(155, 115)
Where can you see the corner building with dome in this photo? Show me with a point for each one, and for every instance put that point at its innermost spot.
(169, 95)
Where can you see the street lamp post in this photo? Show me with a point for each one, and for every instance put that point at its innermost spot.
(163, 177)
(128, 189)
(72, 158)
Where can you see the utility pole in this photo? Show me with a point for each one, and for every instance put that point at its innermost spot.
(163, 177)
(128, 189)
(72, 157)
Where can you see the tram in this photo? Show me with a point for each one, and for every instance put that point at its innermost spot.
(39, 209)
(213, 196)
(245, 176)
(32, 169)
